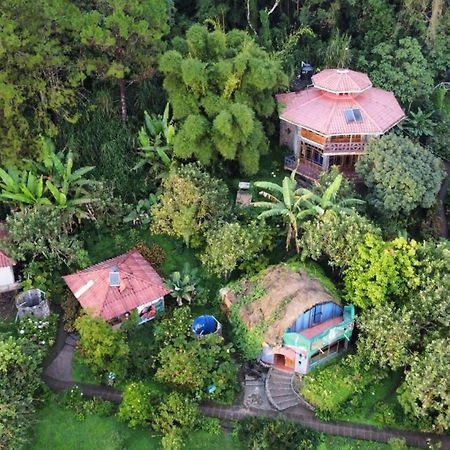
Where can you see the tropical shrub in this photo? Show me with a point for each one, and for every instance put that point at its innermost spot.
(81, 407)
(335, 236)
(39, 331)
(425, 393)
(400, 175)
(230, 245)
(71, 308)
(279, 434)
(381, 271)
(175, 412)
(183, 285)
(136, 409)
(191, 202)
(176, 326)
(104, 348)
(193, 365)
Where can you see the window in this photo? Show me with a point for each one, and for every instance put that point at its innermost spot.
(353, 115)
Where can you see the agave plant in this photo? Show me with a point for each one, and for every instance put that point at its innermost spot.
(183, 284)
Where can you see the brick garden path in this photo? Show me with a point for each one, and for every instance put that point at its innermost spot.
(53, 373)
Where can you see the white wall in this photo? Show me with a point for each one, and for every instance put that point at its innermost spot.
(6, 276)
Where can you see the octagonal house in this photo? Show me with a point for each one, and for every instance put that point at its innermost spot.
(294, 320)
(331, 122)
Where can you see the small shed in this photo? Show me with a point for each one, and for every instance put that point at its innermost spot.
(299, 323)
(114, 288)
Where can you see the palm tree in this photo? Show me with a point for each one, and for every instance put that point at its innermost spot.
(287, 202)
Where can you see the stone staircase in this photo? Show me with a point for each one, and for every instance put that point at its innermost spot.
(279, 389)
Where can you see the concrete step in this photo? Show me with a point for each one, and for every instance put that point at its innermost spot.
(285, 404)
(280, 378)
(275, 392)
(254, 383)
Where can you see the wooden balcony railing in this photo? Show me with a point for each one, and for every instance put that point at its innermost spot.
(344, 148)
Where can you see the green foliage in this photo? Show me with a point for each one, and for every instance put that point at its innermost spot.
(136, 409)
(386, 336)
(425, 394)
(103, 347)
(402, 69)
(191, 202)
(232, 244)
(41, 234)
(335, 236)
(221, 85)
(338, 54)
(280, 434)
(400, 175)
(330, 387)
(381, 271)
(248, 341)
(39, 74)
(153, 253)
(176, 412)
(192, 365)
(19, 380)
(41, 332)
(71, 308)
(156, 140)
(122, 39)
(183, 284)
(82, 407)
(177, 326)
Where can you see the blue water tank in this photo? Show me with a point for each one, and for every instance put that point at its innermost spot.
(204, 325)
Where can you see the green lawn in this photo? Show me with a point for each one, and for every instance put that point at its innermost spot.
(56, 429)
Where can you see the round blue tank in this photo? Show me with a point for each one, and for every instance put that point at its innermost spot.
(204, 325)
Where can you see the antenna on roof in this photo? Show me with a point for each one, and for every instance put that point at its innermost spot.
(114, 277)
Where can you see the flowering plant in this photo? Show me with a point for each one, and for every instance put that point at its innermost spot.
(40, 331)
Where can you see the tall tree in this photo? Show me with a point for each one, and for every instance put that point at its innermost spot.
(401, 175)
(38, 78)
(220, 86)
(122, 40)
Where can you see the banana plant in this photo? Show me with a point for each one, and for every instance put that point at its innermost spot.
(22, 188)
(319, 203)
(156, 141)
(183, 284)
(287, 202)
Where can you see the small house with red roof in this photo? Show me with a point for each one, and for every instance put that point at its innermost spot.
(116, 287)
(330, 122)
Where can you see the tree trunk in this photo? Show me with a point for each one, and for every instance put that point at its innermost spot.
(123, 99)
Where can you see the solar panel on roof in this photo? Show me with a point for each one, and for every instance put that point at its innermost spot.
(350, 117)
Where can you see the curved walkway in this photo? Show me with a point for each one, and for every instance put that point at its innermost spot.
(59, 378)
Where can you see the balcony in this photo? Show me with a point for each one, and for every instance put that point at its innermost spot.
(344, 148)
(312, 171)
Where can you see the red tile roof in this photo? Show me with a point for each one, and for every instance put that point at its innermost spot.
(139, 284)
(324, 113)
(5, 261)
(341, 81)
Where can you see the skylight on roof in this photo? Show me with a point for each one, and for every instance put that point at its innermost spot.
(114, 276)
(353, 115)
